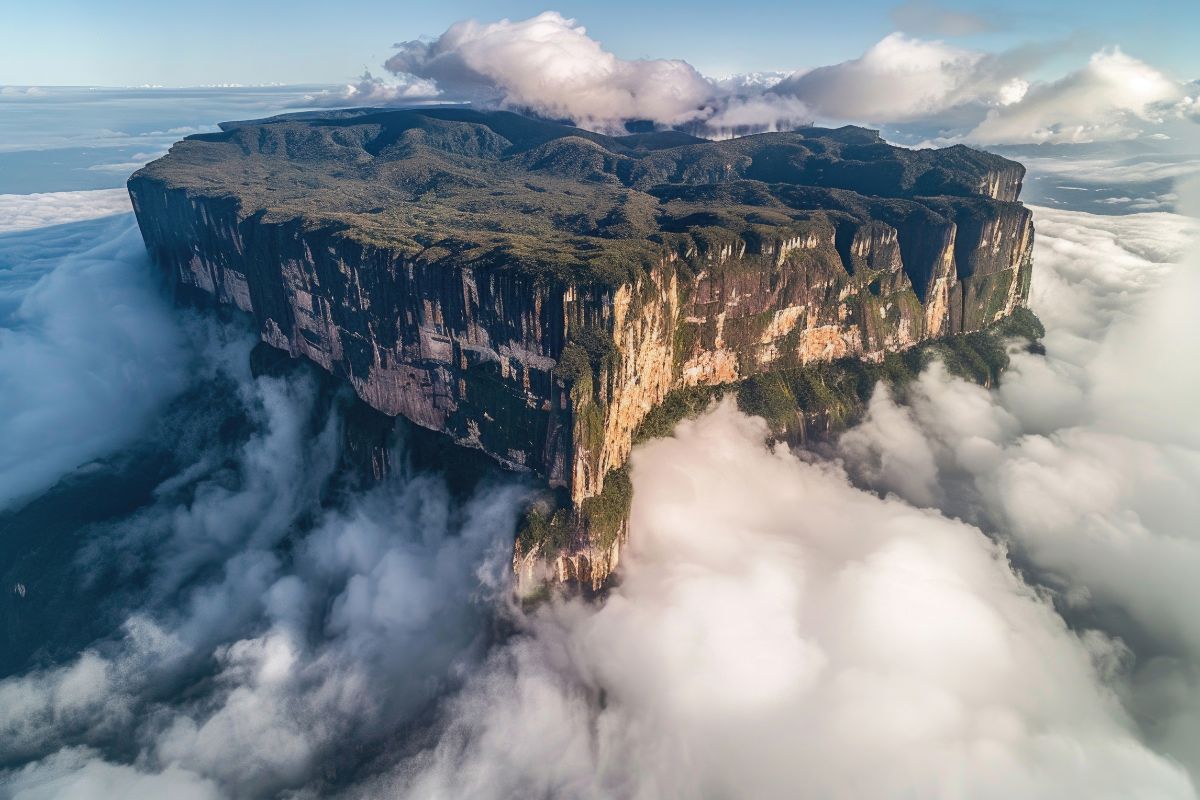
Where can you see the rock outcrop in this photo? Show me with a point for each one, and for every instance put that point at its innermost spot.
(534, 290)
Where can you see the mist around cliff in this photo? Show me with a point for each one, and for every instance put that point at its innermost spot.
(979, 593)
(224, 631)
(1084, 463)
(779, 628)
(184, 580)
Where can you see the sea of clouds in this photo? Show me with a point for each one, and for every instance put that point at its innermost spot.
(983, 593)
(1084, 463)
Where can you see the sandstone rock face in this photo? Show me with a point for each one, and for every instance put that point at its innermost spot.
(534, 290)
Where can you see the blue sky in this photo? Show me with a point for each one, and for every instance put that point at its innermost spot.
(133, 42)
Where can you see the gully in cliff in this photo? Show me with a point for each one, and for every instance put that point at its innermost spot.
(550, 295)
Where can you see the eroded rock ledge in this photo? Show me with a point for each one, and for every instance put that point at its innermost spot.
(535, 291)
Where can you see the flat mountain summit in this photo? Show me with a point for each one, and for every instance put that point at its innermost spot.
(503, 189)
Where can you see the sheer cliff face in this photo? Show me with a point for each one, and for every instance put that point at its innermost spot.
(534, 290)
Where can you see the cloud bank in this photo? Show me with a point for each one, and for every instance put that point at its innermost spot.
(89, 348)
(24, 211)
(548, 65)
(902, 78)
(276, 636)
(778, 628)
(1086, 461)
(1115, 96)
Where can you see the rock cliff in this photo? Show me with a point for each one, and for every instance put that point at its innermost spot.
(534, 290)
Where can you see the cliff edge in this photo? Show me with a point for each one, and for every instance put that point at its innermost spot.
(535, 290)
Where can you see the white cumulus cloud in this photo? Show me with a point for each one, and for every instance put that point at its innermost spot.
(550, 65)
(1115, 96)
(901, 78)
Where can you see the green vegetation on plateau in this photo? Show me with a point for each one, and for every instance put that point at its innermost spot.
(502, 190)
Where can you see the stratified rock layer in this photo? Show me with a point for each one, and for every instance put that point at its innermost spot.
(534, 290)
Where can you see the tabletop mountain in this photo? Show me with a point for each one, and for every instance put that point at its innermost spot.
(536, 290)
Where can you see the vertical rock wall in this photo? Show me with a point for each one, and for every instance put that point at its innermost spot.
(555, 377)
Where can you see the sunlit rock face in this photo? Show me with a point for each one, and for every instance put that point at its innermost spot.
(535, 290)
